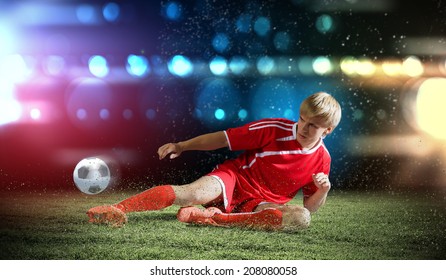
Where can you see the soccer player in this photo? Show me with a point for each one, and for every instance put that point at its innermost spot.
(280, 157)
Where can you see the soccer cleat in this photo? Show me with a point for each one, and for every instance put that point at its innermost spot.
(267, 219)
(195, 215)
(107, 214)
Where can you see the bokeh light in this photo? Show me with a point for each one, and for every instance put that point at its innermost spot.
(220, 114)
(305, 65)
(14, 68)
(412, 66)
(322, 65)
(218, 66)
(243, 114)
(6, 39)
(150, 114)
(180, 66)
(104, 114)
(137, 65)
(430, 107)
(35, 113)
(87, 14)
(266, 65)
(111, 12)
(221, 42)
(324, 24)
(262, 26)
(98, 66)
(392, 68)
(172, 11)
(10, 108)
(238, 65)
(243, 23)
(54, 65)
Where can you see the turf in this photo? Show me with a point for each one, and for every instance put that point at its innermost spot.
(352, 225)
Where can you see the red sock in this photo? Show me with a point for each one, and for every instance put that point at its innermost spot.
(265, 219)
(155, 198)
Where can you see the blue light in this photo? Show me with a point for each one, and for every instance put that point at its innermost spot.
(305, 65)
(173, 11)
(54, 65)
(86, 14)
(266, 65)
(238, 65)
(137, 65)
(262, 26)
(6, 39)
(111, 12)
(219, 114)
(104, 114)
(150, 114)
(81, 114)
(218, 66)
(242, 114)
(180, 66)
(243, 23)
(221, 42)
(324, 24)
(98, 66)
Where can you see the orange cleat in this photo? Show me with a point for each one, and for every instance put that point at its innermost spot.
(195, 215)
(107, 214)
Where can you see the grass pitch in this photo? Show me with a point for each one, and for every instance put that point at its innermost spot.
(352, 225)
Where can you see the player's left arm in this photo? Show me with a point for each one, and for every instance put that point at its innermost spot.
(315, 201)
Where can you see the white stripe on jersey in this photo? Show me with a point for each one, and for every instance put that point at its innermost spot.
(275, 153)
(279, 124)
(227, 140)
(289, 138)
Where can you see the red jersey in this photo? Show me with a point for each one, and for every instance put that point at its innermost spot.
(273, 166)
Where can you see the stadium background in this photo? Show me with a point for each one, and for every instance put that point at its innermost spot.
(117, 79)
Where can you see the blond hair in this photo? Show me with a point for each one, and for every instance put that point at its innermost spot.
(322, 105)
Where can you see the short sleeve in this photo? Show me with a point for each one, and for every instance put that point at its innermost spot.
(247, 137)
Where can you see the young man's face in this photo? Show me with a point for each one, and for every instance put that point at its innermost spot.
(310, 130)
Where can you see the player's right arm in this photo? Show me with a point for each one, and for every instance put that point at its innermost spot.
(205, 142)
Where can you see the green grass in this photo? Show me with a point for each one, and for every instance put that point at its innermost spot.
(352, 225)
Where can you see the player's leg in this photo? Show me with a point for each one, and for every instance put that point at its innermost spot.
(267, 216)
(201, 191)
(294, 217)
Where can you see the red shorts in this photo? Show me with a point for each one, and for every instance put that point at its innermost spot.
(235, 199)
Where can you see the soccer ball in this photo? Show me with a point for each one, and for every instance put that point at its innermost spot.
(91, 175)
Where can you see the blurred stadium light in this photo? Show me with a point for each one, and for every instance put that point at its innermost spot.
(214, 64)
(180, 66)
(430, 107)
(365, 6)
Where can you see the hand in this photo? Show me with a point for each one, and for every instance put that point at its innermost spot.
(321, 181)
(174, 149)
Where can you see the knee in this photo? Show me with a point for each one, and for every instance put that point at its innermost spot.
(184, 196)
(187, 195)
(296, 218)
